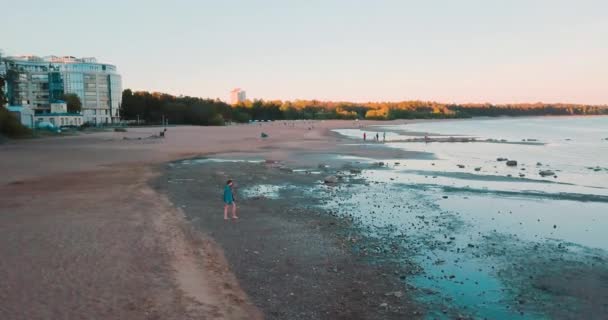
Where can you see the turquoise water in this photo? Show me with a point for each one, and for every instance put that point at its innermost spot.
(471, 220)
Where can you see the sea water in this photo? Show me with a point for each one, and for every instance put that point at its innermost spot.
(474, 224)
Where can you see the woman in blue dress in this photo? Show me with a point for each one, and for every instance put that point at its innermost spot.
(229, 200)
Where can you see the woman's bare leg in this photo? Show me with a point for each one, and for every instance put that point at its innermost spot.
(225, 212)
(234, 211)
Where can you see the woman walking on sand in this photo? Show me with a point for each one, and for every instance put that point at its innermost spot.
(229, 200)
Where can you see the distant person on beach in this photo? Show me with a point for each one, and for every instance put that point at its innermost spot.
(377, 137)
(229, 200)
(383, 136)
(364, 136)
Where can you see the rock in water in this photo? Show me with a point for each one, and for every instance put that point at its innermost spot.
(331, 180)
(512, 163)
(545, 173)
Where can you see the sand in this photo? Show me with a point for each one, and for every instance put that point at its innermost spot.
(84, 235)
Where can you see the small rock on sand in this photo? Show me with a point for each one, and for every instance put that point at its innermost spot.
(331, 180)
(512, 163)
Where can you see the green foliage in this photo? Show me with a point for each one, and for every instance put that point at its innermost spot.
(73, 102)
(150, 107)
(10, 125)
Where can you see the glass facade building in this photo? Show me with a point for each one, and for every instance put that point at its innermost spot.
(37, 82)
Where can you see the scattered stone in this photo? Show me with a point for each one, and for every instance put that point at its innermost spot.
(264, 135)
(445, 197)
(512, 163)
(461, 166)
(330, 180)
(502, 159)
(545, 173)
(354, 171)
(539, 164)
(323, 166)
(478, 169)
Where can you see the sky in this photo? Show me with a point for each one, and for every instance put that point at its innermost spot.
(499, 51)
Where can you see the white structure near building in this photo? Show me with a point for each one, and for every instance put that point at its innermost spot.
(59, 116)
(237, 95)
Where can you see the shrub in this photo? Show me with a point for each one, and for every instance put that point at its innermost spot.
(10, 125)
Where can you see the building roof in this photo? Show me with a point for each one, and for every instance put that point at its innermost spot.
(18, 108)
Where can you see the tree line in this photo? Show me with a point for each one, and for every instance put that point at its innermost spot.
(153, 107)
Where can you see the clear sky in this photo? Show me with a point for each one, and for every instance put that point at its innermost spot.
(373, 50)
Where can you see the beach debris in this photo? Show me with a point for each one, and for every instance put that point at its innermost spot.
(545, 173)
(478, 169)
(512, 163)
(397, 294)
(330, 180)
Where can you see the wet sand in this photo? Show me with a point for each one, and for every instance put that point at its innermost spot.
(294, 259)
(83, 234)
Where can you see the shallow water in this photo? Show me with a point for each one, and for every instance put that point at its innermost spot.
(452, 215)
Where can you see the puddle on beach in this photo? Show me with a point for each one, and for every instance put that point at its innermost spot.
(262, 190)
(208, 160)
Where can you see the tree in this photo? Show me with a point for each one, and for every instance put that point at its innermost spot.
(73, 102)
(2, 97)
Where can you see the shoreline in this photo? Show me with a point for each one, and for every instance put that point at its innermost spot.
(131, 226)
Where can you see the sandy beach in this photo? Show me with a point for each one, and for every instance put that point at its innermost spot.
(88, 230)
